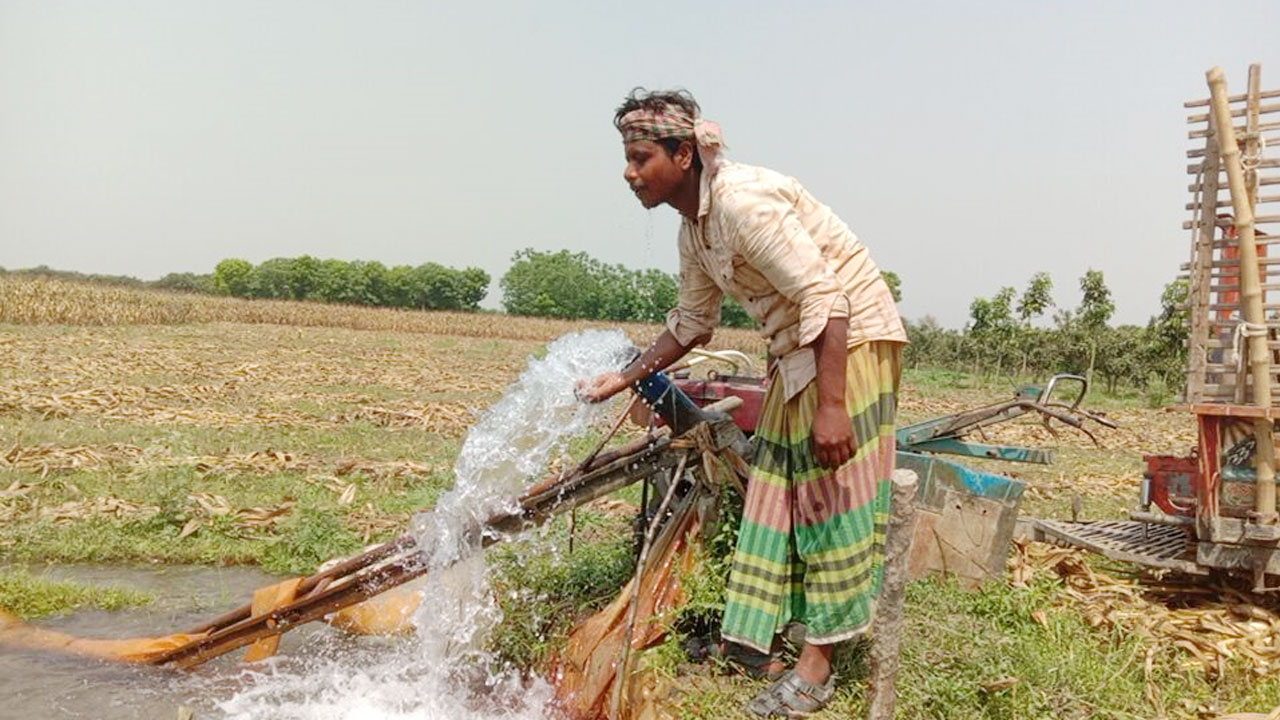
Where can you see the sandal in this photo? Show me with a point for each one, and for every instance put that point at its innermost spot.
(792, 697)
(752, 663)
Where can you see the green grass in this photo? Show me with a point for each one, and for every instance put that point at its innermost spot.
(934, 381)
(30, 597)
(983, 655)
(543, 589)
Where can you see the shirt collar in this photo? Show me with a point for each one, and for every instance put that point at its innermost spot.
(704, 191)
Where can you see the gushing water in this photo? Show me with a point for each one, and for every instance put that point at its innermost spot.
(441, 672)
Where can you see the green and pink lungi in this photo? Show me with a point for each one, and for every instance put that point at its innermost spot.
(811, 544)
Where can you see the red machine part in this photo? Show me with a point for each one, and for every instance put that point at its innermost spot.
(719, 387)
(1173, 483)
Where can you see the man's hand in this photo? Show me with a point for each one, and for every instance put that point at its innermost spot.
(601, 387)
(833, 441)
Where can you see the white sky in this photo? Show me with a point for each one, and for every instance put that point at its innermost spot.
(969, 144)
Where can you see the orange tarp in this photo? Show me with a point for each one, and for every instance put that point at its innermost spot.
(15, 633)
(587, 670)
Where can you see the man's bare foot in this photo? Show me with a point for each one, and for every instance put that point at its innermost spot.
(814, 665)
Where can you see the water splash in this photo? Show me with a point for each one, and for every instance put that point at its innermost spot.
(514, 439)
(442, 672)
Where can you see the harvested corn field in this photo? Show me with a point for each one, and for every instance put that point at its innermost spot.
(53, 302)
(251, 441)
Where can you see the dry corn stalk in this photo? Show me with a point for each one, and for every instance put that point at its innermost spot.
(1210, 625)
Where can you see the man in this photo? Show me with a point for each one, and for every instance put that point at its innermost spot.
(810, 545)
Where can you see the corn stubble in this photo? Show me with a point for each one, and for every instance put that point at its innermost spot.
(26, 301)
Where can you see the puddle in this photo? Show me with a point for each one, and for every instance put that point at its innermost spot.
(44, 685)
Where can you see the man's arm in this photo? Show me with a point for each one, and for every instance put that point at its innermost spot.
(833, 441)
(660, 355)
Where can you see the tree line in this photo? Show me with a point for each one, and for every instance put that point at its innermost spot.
(1011, 333)
(575, 285)
(1003, 338)
(430, 286)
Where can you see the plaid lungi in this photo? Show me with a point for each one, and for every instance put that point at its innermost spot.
(811, 543)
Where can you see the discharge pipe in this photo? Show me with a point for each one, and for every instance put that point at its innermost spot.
(671, 403)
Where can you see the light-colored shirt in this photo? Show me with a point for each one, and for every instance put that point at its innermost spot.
(763, 239)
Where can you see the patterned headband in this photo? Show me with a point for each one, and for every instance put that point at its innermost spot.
(675, 122)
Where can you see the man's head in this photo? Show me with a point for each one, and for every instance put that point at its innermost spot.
(661, 135)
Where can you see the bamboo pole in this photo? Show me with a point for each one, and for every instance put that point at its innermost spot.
(403, 561)
(1252, 301)
(886, 635)
(623, 670)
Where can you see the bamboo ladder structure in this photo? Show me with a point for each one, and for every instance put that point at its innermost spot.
(1234, 279)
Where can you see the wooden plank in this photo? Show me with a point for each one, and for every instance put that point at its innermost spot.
(1261, 239)
(1236, 263)
(1235, 112)
(1222, 395)
(1228, 271)
(1262, 200)
(1233, 306)
(1236, 287)
(1194, 168)
(1264, 127)
(1242, 97)
(1226, 222)
(1261, 181)
(1227, 372)
(1264, 131)
(1217, 343)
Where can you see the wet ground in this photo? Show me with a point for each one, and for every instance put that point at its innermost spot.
(319, 673)
(43, 685)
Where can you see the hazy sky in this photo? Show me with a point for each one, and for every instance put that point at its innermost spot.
(969, 144)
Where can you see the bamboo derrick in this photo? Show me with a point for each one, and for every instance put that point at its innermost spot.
(886, 636)
(1251, 296)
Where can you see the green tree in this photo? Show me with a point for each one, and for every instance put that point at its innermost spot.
(1166, 336)
(338, 282)
(186, 282)
(1096, 309)
(372, 281)
(304, 275)
(992, 326)
(474, 286)
(559, 284)
(656, 293)
(272, 279)
(894, 282)
(1036, 299)
(232, 277)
